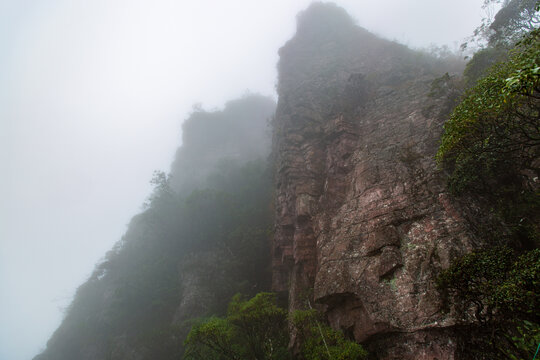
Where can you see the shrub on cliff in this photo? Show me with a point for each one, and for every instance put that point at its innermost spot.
(498, 120)
(258, 329)
(321, 342)
(491, 143)
(501, 292)
(495, 285)
(253, 329)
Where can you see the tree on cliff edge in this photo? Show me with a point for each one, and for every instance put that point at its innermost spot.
(491, 144)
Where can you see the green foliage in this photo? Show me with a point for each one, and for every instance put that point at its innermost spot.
(492, 140)
(499, 114)
(481, 62)
(523, 341)
(253, 329)
(258, 329)
(500, 291)
(493, 284)
(320, 342)
(212, 339)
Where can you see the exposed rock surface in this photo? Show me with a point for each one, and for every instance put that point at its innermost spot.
(363, 221)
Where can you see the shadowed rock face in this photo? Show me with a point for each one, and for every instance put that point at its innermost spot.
(363, 222)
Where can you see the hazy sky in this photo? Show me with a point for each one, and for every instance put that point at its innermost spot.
(92, 95)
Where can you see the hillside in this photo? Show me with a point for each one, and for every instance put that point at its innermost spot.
(203, 236)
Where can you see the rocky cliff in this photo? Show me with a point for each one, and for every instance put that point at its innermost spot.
(363, 221)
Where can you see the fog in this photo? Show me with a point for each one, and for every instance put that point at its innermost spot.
(92, 97)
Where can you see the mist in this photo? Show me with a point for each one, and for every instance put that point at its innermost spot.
(92, 99)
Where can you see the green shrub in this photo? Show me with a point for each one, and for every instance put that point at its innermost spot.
(258, 329)
(253, 329)
(501, 292)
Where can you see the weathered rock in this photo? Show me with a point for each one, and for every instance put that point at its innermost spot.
(363, 222)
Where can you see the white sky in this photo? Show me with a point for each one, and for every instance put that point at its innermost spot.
(92, 95)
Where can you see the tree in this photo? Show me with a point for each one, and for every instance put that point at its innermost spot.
(162, 189)
(510, 23)
(491, 143)
(258, 329)
(253, 329)
(515, 18)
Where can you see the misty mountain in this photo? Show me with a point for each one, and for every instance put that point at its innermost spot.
(341, 199)
(238, 134)
(203, 237)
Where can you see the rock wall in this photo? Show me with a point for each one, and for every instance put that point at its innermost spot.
(363, 221)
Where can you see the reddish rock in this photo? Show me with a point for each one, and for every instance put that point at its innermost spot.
(363, 222)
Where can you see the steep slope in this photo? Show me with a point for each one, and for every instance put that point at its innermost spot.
(363, 221)
(197, 243)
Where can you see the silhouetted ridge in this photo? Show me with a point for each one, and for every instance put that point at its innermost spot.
(198, 241)
(239, 133)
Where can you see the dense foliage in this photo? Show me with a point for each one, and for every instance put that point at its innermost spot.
(491, 149)
(501, 292)
(497, 123)
(491, 143)
(253, 329)
(258, 329)
(494, 284)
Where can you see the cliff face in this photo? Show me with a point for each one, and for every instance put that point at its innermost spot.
(363, 222)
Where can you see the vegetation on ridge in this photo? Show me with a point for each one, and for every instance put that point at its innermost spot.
(491, 144)
(491, 150)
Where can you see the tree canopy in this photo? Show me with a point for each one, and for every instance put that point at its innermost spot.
(491, 143)
(258, 329)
